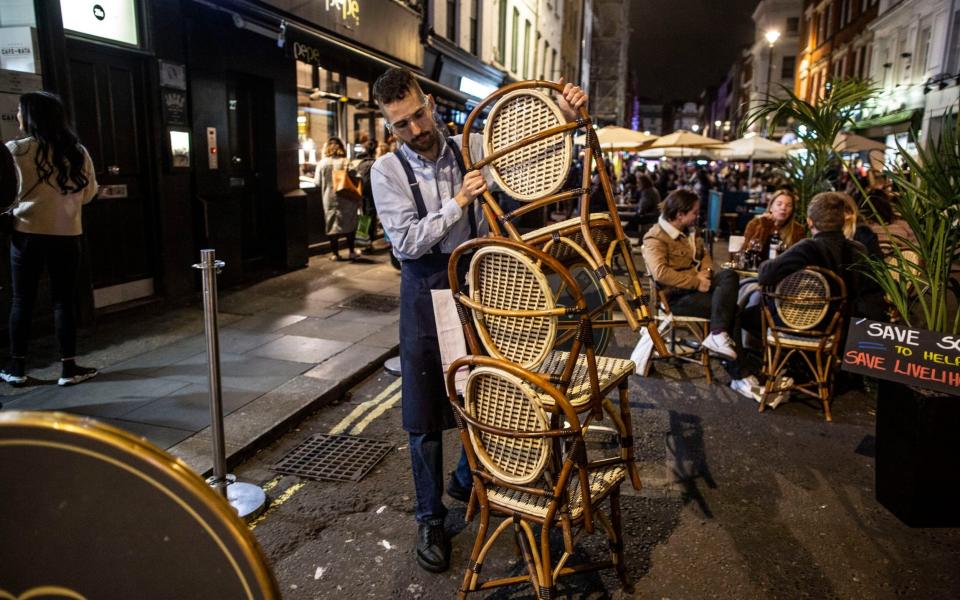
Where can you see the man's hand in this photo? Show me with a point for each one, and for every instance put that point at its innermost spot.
(571, 100)
(704, 284)
(473, 186)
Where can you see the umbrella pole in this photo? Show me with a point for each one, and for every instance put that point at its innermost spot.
(750, 176)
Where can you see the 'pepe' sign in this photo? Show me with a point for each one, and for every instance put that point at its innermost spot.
(899, 353)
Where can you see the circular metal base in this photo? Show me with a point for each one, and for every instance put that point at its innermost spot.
(392, 366)
(247, 499)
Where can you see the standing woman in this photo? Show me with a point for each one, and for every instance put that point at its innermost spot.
(340, 213)
(57, 179)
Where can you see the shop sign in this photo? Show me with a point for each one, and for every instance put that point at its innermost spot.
(384, 25)
(20, 82)
(899, 353)
(18, 49)
(112, 191)
(174, 104)
(114, 20)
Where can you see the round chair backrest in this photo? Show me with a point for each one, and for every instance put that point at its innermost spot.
(506, 279)
(803, 299)
(499, 399)
(114, 517)
(537, 169)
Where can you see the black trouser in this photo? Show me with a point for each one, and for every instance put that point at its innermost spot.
(335, 241)
(29, 253)
(719, 304)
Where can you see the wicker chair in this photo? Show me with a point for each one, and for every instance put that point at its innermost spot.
(809, 324)
(531, 469)
(512, 315)
(697, 327)
(529, 150)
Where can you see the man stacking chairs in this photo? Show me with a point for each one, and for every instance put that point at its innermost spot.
(529, 149)
(532, 469)
(803, 319)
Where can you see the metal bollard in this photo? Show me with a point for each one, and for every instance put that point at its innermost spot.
(247, 499)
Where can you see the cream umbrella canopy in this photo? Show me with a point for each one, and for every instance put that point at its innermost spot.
(683, 141)
(753, 148)
(851, 142)
(613, 138)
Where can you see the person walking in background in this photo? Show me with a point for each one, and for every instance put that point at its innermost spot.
(339, 211)
(57, 179)
(362, 169)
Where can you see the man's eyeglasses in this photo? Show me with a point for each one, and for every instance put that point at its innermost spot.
(421, 113)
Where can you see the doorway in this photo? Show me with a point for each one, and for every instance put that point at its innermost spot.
(108, 102)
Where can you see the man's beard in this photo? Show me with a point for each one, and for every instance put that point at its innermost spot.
(425, 141)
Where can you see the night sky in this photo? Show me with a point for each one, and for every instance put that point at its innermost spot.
(679, 47)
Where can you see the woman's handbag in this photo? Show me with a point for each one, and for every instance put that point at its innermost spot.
(345, 187)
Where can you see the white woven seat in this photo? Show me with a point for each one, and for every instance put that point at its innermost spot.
(601, 482)
(787, 340)
(609, 372)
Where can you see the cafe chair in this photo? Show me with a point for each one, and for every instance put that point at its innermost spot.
(528, 148)
(527, 453)
(510, 313)
(902, 263)
(695, 328)
(803, 318)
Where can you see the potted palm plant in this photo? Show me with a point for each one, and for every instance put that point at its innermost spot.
(917, 462)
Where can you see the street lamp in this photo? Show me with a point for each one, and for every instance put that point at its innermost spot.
(772, 36)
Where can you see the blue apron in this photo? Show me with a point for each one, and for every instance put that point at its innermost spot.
(423, 391)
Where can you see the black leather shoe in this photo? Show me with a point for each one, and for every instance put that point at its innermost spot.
(457, 491)
(433, 548)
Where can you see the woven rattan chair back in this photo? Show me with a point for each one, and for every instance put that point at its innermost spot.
(803, 299)
(533, 170)
(499, 399)
(507, 281)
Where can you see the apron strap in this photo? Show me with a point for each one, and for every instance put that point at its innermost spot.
(415, 190)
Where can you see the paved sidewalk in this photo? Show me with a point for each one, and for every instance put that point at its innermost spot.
(287, 346)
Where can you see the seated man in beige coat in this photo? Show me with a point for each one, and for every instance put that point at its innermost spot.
(675, 258)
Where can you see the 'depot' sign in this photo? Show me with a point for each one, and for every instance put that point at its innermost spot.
(898, 353)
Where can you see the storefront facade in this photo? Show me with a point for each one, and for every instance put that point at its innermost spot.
(205, 120)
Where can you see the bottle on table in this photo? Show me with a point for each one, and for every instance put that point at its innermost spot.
(776, 246)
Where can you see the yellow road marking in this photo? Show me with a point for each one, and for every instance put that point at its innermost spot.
(271, 484)
(363, 406)
(286, 495)
(373, 414)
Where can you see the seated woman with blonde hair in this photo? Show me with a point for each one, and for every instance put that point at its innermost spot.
(779, 219)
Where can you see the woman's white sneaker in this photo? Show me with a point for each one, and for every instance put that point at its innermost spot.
(79, 375)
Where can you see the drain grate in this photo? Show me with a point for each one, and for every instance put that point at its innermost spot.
(333, 457)
(373, 302)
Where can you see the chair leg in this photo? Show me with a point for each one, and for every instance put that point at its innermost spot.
(705, 354)
(619, 556)
(476, 562)
(626, 449)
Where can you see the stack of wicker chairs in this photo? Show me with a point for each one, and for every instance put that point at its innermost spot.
(528, 147)
(526, 406)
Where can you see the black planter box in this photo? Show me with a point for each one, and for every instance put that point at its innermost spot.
(918, 455)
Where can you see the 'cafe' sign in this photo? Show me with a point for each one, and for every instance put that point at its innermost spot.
(347, 9)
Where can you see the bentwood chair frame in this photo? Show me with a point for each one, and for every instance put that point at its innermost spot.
(810, 305)
(510, 314)
(527, 453)
(534, 168)
(698, 327)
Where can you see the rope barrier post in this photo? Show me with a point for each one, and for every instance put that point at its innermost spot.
(247, 499)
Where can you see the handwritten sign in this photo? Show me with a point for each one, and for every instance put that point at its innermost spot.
(899, 353)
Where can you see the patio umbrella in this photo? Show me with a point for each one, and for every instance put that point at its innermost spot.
(851, 142)
(613, 138)
(688, 144)
(753, 148)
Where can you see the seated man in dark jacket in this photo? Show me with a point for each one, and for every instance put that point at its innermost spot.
(828, 248)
